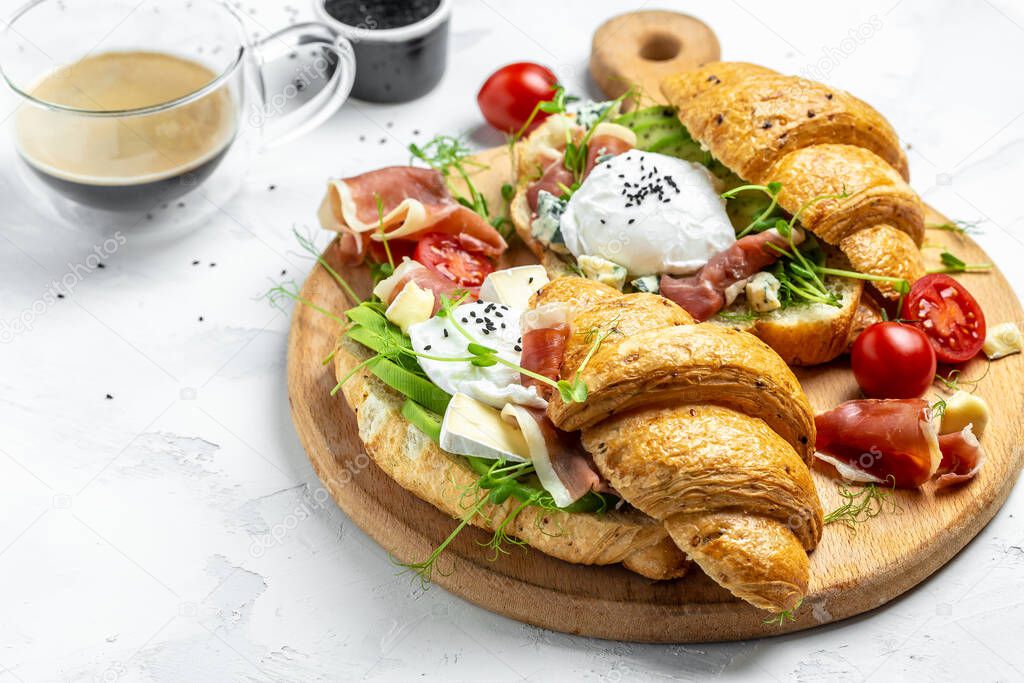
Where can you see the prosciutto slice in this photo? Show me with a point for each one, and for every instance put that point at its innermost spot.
(413, 271)
(711, 288)
(565, 470)
(545, 332)
(962, 457)
(607, 139)
(602, 145)
(414, 201)
(880, 440)
(555, 174)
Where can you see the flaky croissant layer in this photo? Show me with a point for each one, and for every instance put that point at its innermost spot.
(703, 428)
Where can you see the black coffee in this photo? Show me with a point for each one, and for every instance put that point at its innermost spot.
(380, 14)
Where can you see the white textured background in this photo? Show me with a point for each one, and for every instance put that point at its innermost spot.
(177, 532)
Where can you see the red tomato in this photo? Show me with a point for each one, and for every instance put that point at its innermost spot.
(443, 253)
(893, 360)
(948, 314)
(512, 92)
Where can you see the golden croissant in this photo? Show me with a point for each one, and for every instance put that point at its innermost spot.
(701, 427)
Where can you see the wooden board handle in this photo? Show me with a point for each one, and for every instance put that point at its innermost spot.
(642, 48)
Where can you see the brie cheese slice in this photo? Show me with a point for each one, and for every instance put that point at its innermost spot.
(473, 428)
(513, 286)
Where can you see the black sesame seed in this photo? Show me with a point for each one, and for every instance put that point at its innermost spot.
(444, 330)
(195, 263)
(427, 347)
(101, 265)
(518, 347)
(110, 397)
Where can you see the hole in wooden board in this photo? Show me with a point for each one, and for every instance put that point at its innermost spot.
(660, 47)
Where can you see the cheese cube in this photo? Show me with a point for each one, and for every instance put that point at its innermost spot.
(648, 283)
(412, 305)
(1002, 340)
(386, 287)
(602, 270)
(513, 286)
(964, 408)
(474, 428)
(763, 292)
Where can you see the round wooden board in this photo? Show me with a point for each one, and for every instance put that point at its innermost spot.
(850, 572)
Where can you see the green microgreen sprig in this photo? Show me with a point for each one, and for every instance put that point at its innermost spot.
(761, 222)
(951, 263)
(864, 503)
(786, 615)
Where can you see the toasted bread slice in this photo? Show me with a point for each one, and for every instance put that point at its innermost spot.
(803, 334)
(417, 464)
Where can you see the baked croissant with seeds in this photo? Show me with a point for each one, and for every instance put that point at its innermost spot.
(699, 426)
(817, 142)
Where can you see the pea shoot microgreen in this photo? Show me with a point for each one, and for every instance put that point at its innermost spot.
(576, 153)
(761, 222)
(954, 379)
(306, 242)
(862, 504)
(786, 615)
(447, 154)
(958, 226)
(801, 266)
(574, 391)
(951, 263)
(497, 482)
(290, 290)
(556, 105)
(382, 232)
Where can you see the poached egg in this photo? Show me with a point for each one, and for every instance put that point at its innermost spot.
(490, 324)
(649, 213)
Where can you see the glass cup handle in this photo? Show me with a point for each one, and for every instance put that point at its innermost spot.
(281, 44)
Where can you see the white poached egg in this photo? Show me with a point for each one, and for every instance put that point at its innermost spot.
(649, 213)
(491, 324)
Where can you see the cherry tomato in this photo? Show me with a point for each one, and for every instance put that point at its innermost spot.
(443, 253)
(510, 94)
(893, 360)
(946, 312)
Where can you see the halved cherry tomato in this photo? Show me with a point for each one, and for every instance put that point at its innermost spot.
(443, 252)
(945, 311)
(509, 95)
(893, 360)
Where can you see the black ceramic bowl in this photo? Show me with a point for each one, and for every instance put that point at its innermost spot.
(394, 63)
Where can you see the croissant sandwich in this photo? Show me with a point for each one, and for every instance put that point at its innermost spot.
(626, 432)
(755, 200)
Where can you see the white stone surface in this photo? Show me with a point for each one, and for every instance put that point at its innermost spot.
(177, 532)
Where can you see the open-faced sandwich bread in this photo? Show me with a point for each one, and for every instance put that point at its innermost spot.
(760, 201)
(698, 435)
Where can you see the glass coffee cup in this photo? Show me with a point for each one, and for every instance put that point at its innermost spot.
(147, 115)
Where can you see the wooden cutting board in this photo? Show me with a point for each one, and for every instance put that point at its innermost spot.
(851, 572)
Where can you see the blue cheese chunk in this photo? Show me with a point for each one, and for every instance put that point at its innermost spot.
(648, 283)
(763, 292)
(602, 270)
(587, 112)
(547, 226)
